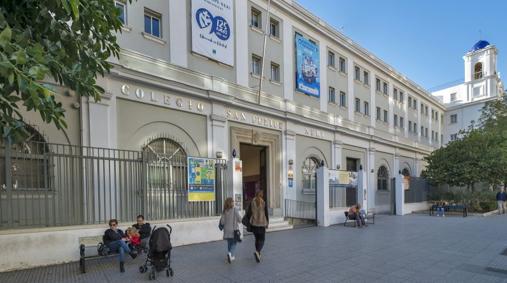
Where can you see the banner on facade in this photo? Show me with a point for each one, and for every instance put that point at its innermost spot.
(201, 179)
(212, 30)
(307, 66)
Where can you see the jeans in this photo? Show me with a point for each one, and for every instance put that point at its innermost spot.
(145, 243)
(501, 206)
(260, 237)
(231, 246)
(121, 247)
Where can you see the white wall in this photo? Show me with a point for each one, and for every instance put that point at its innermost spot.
(47, 246)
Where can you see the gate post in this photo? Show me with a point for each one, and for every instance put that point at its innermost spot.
(8, 180)
(323, 197)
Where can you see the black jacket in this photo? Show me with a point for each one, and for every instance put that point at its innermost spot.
(111, 236)
(144, 230)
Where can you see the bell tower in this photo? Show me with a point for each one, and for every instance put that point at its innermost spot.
(481, 76)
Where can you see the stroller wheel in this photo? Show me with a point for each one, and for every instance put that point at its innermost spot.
(171, 272)
(142, 269)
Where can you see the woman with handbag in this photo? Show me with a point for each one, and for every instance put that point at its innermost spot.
(259, 221)
(229, 223)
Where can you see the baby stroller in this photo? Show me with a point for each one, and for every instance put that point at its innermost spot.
(159, 253)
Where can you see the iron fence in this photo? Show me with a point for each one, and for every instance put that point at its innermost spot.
(342, 196)
(418, 190)
(300, 209)
(45, 184)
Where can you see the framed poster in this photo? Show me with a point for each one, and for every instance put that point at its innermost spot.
(307, 66)
(201, 179)
(212, 29)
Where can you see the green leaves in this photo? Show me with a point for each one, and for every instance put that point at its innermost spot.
(65, 41)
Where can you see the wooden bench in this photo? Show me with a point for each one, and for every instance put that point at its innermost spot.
(460, 208)
(87, 243)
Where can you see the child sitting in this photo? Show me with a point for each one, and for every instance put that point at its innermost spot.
(133, 237)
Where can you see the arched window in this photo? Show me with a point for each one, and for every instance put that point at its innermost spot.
(309, 170)
(29, 163)
(164, 149)
(382, 179)
(478, 71)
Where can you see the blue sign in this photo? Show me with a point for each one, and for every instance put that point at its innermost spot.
(219, 25)
(307, 66)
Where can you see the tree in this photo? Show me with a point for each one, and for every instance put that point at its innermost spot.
(67, 41)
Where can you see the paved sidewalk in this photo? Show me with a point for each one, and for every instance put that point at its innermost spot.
(413, 248)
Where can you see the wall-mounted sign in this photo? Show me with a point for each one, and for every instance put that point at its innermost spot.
(201, 179)
(212, 29)
(307, 66)
(290, 176)
(345, 178)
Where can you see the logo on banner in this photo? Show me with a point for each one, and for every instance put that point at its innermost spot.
(219, 25)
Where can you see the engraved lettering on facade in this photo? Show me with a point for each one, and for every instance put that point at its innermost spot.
(139, 93)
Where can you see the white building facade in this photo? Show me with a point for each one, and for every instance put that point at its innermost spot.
(188, 76)
(482, 83)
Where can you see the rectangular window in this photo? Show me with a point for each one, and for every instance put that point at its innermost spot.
(432, 114)
(395, 93)
(366, 78)
(402, 122)
(378, 114)
(415, 127)
(436, 136)
(385, 88)
(432, 135)
(366, 108)
(410, 126)
(256, 65)
(454, 137)
(330, 59)
(332, 95)
(426, 132)
(454, 118)
(275, 72)
(401, 97)
(426, 110)
(422, 108)
(343, 66)
(377, 85)
(357, 73)
(255, 18)
(453, 97)
(395, 120)
(409, 101)
(152, 22)
(122, 8)
(422, 131)
(274, 28)
(358, 105)
(385, 115)
(343, 99)
(415, 104)
(436, 115)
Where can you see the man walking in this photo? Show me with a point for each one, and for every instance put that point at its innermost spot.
(501, 196)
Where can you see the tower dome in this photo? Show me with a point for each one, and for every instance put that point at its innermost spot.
(480, 45)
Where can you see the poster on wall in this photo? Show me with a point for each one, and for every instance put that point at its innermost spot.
(307, 66)
(201, 179)
(212, 29)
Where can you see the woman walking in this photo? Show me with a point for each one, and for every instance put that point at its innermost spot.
(259, 222)
(229, 222)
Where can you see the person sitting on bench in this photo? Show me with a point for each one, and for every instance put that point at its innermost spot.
(355, 215)
(114, 239)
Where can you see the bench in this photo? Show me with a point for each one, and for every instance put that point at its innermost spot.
(460, 208)
(370, 216)
(88, 243)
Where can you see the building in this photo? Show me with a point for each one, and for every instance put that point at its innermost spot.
(187, 85)
(482, 84)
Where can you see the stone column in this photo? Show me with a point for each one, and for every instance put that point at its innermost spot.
(371, 178)
(399, 193)
(290, 152)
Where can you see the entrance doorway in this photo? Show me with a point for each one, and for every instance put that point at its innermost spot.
(255, 177)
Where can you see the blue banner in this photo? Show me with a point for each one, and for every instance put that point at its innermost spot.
(307, 66)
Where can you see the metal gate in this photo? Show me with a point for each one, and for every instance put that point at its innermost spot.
(45, 184)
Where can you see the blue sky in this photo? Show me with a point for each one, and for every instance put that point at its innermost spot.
(423, 39)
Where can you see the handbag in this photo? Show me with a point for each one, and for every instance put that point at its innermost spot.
(220, 226)
(246, 219)
(237, 236)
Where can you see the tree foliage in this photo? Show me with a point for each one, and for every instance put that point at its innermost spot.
(479, 155)
(67, 41)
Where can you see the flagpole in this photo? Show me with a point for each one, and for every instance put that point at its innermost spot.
(266, 31)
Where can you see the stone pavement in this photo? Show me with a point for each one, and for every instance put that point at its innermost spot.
(413, 248)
